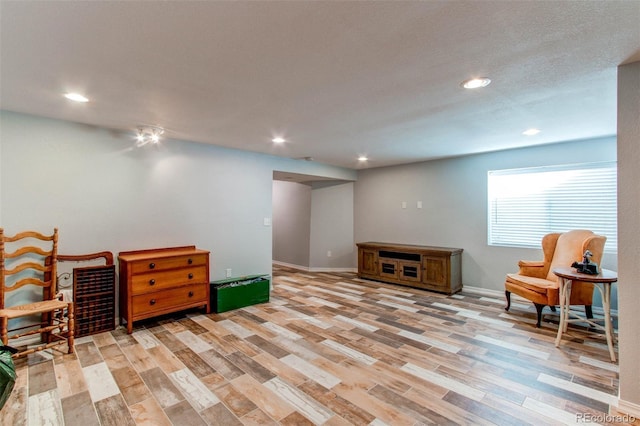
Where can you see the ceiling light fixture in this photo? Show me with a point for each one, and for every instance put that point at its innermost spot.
(148, 134)
(277, 140)
(362, 158)
(76, 97)
(531, 132)
(475, 83)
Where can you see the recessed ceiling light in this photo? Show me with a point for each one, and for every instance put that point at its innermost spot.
(362, 158)
(76, 97)
(148, 134)
(531, 132)
(278, 140)
(475, 83)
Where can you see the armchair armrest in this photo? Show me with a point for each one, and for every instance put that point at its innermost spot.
(532, 268)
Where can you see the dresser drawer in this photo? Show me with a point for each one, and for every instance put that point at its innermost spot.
(169, 300)
(159, 280)
(161, 264)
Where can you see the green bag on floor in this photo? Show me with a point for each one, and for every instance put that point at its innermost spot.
(7, 373)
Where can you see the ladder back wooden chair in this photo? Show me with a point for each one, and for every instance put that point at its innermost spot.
(28, 261)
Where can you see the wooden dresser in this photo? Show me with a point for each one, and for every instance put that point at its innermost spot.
(432, 268)
(160, 281)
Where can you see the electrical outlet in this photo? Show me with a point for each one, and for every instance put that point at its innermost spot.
(228, 272)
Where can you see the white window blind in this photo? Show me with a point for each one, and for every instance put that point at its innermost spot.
(526, 204)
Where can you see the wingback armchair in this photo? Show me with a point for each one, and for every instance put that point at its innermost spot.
(535, 281)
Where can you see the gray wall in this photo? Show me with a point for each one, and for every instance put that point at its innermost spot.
(291, 223)
(454, 199)
(103, 194)
(332, 227)
(629, 225)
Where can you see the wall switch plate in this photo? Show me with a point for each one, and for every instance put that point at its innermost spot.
(228, 272)
(404, 204)
(329, 254)
(267, 221)
(419, 204)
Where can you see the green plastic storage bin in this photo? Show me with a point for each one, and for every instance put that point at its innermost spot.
(234, 293)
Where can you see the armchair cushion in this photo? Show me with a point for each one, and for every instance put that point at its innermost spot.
(538, 290)
(532, 269)
(570, 247)
(537, 285)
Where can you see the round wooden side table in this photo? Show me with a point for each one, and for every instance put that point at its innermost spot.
(602, 282)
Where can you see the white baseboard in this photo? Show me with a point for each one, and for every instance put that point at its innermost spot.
(313, 269)
(290, 265)
(486, 292)
(629, 408)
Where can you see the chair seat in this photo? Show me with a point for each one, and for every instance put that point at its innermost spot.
(32, 308)
(536, 285)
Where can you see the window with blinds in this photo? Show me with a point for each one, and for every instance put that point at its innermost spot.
(525, 204)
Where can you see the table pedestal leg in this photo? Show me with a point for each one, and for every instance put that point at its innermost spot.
(565, 292)
(608, 325)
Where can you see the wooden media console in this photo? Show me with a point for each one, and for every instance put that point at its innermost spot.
(432, 268)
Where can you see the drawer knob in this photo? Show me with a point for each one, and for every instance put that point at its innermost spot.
(190, 261)
(152, 265)
(152, 282)
(152, 301)
(190, 276)
(190, 294)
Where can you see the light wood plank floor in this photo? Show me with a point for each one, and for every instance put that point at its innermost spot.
(327, 349)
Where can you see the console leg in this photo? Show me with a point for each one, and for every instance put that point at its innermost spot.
(508, 296)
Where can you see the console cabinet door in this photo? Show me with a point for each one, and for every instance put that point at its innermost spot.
(435, 270)
(388, 268)
(368, 262)
(409, 271)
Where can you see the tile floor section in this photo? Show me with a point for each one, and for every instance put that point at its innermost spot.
(328, 349)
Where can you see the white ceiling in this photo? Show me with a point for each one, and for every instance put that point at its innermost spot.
(336, 79)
